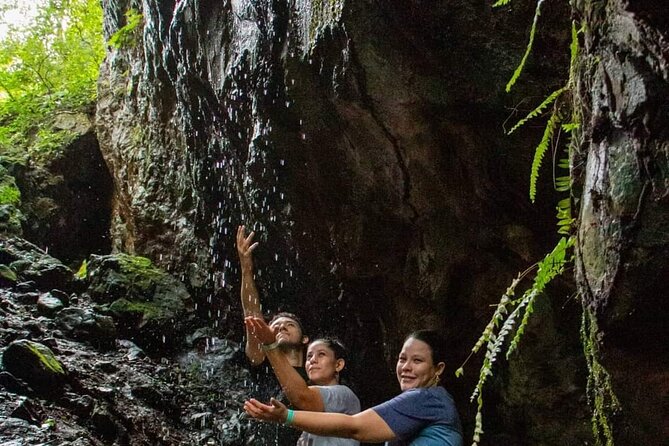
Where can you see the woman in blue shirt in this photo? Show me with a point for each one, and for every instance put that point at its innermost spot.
(423, 414)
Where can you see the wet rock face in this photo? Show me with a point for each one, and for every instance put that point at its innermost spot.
(624, 231)
(65, 199)
(362, 141)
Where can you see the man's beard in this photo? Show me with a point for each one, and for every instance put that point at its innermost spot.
(287, 345)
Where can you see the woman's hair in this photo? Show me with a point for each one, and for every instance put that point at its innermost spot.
(434, 340)
(340, 352)
(335, 345)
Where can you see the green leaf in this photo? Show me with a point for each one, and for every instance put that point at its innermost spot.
(571, 126)
(528, 49)
(126, 35)
(539, 152)
(540, 108)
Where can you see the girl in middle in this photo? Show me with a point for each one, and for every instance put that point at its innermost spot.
(325, 361)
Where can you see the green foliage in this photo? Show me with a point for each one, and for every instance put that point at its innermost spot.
(530, 43)
(9, 194)
(49, 64)
(82, 273)
(539, 152)
(539, 110)
(505, 318)
(507, 313)
(600, 394)
(127, 35)
(554, 120)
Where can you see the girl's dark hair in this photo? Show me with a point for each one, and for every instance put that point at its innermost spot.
(434, 340)
(340, 352)
(335, 345)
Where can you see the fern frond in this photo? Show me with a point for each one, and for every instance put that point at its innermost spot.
(501, 3)
(563, 184)
(539, 153)
(528, 304)
(573, 53)
(570, 127)
(537, 111)
(564, 208)
(549, 268)
(528, 49)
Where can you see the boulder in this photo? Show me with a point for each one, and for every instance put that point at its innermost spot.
(148, 305)
(48, 305)
(32, 264)
(35, 364)
(85, 324)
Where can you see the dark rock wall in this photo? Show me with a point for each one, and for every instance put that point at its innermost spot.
(623, 249)
(66, 196)
(364, 142)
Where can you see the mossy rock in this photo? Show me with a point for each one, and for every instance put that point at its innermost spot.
(123, 275)
(7, 275)
(146, 312)
(35, 364)
(148, 305)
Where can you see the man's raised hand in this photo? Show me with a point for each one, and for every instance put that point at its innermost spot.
(245, 247)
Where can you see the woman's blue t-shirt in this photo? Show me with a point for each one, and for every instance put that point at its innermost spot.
(422, 417)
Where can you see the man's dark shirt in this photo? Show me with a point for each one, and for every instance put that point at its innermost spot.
(266, 386)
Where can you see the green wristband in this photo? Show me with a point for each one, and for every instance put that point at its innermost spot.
(289, 418)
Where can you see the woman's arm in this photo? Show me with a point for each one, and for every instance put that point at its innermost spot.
(292, 384)
(366, 426)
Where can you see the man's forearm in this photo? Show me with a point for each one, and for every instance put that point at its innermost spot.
(249, 294)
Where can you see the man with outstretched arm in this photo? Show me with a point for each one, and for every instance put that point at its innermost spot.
(290, 340)
(289, 334)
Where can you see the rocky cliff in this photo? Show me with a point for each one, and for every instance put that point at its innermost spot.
(364, 142)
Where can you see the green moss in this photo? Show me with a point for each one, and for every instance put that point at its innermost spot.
(9, 194)
(141, 272)
(82, 273)
(138, 265)
(7, 273)
(46, 357)
(601, 397)
(147, 310)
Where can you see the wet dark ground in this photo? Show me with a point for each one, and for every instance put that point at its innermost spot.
(119, 394)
